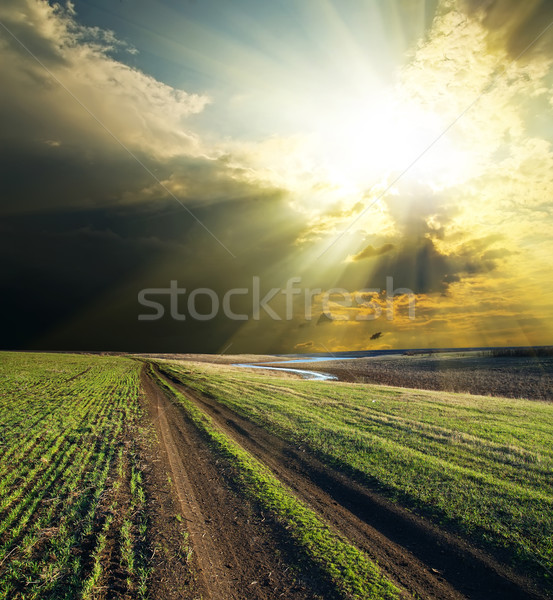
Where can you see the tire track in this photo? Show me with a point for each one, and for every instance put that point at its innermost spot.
(235, 556)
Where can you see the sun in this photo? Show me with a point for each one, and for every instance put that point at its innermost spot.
(352, 145)
(362, 145)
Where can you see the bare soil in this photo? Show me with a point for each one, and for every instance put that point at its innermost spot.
(505, 377)
(423, 560)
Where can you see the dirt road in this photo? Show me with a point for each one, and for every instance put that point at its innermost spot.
(234, 554)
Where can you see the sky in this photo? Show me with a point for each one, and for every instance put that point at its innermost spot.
(276, 177)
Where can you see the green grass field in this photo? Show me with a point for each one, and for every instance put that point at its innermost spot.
(481, 467)
(70, 485)
(74, 520)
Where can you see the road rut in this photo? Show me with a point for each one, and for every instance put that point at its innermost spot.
(235, 555)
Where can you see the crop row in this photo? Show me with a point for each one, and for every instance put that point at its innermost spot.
(72, 506)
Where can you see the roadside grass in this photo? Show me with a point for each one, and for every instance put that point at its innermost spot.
(70, 477)
(347, 570)
(481, 467)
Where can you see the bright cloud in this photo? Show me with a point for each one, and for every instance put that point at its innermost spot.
(72, 78)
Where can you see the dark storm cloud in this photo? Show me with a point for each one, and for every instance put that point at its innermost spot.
(70, 279)
(86, 228)
(39, 178)
(413, 257)
(85, 225)
(517, 24)
(418, 264)
(52, 271)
